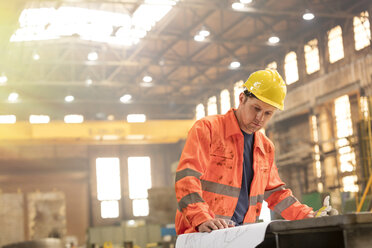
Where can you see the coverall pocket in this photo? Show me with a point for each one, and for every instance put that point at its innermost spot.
(221, 160)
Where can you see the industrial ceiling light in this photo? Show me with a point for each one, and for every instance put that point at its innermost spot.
(92, 56)
(73, 118)
(237, 6)
(69, 98)
(274, 39)
(199, 38)
(136, 118)
(3, 78)
(147, 79)
(39, 119)
(35, 56)
(13, 97)
(245, 1)
(308, 15)
(234, 65)
(125, 98)
(204, 32)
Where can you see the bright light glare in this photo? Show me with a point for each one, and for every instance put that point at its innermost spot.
(344, 129)
(265, 214)
(136, 118)
(35, 56)
(39, 119)
(140, 207)
(200, 111)
(109, 209)
(7, 119)
(3, 78)
(13, 97)
(237, 6)
(212, 106)
(204, 32)
(69, 98)
(234, 65)
(308, 16)
(245, 1)
(147, 79)
(89, 24)
(199, 38)
(126, 98)
(92, 56)
(225, 101)
(73, 118)
(108, 179)
(139, 175)
(274, 39)
(89, 82)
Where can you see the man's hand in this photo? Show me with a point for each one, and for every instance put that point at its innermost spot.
(215, 224)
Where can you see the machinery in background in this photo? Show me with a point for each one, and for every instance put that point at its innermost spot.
(132, 234)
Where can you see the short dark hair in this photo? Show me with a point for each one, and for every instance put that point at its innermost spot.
(249, 94)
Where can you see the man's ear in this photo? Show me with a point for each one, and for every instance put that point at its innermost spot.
(242, 96)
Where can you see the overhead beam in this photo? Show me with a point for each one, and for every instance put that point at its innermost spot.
(118, 132)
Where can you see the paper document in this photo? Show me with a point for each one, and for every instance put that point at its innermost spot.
(245, 236)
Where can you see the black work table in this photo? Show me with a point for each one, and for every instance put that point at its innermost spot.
(340, 231)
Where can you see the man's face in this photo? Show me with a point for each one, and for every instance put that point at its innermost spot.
(253, 114)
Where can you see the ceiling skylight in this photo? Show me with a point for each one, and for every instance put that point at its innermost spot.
(94, 25)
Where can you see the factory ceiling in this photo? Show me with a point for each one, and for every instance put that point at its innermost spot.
(185, 69)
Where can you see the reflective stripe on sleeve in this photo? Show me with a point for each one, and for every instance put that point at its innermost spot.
(284, 204)
(186, 173)
(221, 189)
(269, 192)
(223, 217)
(254, 199)
(189, 199)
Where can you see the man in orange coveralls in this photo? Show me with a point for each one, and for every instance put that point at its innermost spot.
(227, 168)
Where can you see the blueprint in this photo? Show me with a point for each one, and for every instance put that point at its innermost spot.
(241, 236)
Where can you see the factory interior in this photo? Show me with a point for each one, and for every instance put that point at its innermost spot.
(98, 96)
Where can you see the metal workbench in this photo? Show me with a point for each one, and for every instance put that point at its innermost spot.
(341, 231)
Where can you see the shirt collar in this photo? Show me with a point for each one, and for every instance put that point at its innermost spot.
(232, 128)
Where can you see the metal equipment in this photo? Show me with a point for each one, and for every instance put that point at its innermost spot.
(350, 230)
(40, 243)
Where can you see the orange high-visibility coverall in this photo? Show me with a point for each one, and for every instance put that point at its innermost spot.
(209, 176)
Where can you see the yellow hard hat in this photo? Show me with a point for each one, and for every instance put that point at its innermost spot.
(268, 86)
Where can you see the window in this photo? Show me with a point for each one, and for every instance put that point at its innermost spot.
(362, 31)
(312, 56)
(212, 105)
(238, 88)
(344, 129)
(108, 186)
(364, 106)
(139, 174)
(8, 119)
(272, 66)
(200, 111)
(109, 209)
(225, 101)
(290, 68)
(335, 44)
(318, 169)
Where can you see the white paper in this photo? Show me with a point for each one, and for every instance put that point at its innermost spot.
(245, 236)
